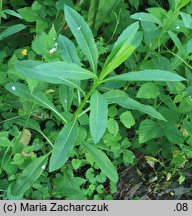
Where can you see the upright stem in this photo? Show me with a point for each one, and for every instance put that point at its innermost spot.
(1, 9)
(86, 98)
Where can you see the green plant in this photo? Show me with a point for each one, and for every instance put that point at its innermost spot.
(146, 126)
(94, 99)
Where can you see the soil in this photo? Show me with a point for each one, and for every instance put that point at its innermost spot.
(141, 182)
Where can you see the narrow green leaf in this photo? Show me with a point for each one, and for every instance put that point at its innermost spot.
(63, 145)
(63, 70)
(38, 97)
(102, 162)
(9, 194)
(127, 35)
(67, 50)
(11, 30)
(69, 55)
(114, 96)
(83, 36)
(29, 175)
(131, 104)
(116, 58)
(121, 53)
(183, 3)
(28, 69)
(98, 116)
(54, 71)
(148, 75)
(146, 17)
(66, 97)
(177, 42)
(111, 95)
(12, 13)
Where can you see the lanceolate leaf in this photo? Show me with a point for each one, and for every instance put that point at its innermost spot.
(111, 95)
(98, 116)
(127, 35)
(177, 42)
(148, 75)
(38, 97)
(27, 69)
(183, 3)
(66, 96)
(102, 162)
(63, 145)
(83, 36)
(29, 175)
(131, 104)
(53, 72)
(146, 17)
(12, 13)
(116, 58)
(67, 50)
(11, 30)
(121, 53)
(69, 55)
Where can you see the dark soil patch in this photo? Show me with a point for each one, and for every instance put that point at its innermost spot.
(143, 183)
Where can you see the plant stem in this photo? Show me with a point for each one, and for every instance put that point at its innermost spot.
(86, 98)
(85, 111)
(116, 26)
(51, 144)
(178, 58)
(1, 9)
(10, 119)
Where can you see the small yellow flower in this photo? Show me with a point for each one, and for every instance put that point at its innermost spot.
(24, 52)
